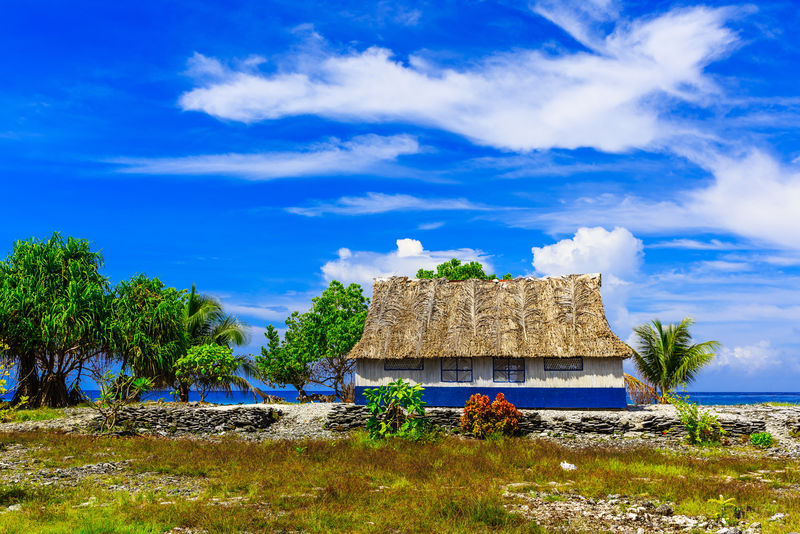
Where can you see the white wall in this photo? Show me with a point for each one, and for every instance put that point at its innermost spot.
(597, 373)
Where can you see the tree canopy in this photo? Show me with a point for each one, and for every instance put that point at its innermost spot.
(454, 270)
(149, 328)
(316, 343)
(54, 305)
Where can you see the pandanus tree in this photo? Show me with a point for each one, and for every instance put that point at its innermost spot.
(666, 357)
(149, 328)
(54, 315)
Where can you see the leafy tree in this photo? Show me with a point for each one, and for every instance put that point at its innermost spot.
(149, 328)
(316, 343)
(286, 363)
(454, 270)
(333, 325)
(206, 367)
(54, 310)
(666, 357)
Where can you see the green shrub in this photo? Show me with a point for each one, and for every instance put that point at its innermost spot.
(763, 440)
(397, 410)
(702, 427)
(205, 367)
(484, 418)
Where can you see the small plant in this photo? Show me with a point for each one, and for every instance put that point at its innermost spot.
(6, 409)
(484, 418)
(702, 427)
(726, 505)
(116, 392)
(763, 440)
(396, 410)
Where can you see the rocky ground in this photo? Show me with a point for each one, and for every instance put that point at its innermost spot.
(570, 511)
(555, 506)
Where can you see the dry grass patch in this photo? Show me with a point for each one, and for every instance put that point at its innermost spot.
(453, 485)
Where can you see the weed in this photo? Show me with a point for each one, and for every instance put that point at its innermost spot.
(763, 440)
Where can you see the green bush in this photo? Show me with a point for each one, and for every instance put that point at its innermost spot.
(205, 367)
(397, 410)
(763, 440)
(702, 427)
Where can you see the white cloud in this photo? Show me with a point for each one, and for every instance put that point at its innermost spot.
(611, 98)
(693, 244)
(363, 266)
(616, 253)
(361, 154)
(372, 203)
(752, 196)
(748, 358)
(431, 225)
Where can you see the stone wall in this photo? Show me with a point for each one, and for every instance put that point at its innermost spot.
(193, 419)
(349, 416)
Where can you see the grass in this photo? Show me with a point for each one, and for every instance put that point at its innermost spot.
(782, 403)
(34, 414)
(452, 485)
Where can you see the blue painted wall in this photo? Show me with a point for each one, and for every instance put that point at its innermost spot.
(597, 398)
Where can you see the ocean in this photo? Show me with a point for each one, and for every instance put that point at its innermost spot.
(704, 398)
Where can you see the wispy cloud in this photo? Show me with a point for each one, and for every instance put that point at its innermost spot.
(361, 154)
(611, 97)
(373, 203)
(693, 244)
(753, 196)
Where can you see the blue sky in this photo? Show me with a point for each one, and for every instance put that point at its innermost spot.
(261, 149)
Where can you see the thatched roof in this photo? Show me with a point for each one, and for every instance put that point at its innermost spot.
(556, 317)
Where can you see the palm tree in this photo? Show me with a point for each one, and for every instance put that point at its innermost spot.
(207, 322)
(666, 357)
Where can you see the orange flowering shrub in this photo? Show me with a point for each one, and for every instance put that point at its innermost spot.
(484, 418)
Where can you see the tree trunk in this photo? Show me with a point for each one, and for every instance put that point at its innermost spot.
(183, 393)
(53, 392)
(27, 380)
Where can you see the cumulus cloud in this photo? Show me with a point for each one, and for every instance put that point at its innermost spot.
(610, 97)
(748, 358)
(361, 154)
(363, 266)
(617, 255)
(372, 203)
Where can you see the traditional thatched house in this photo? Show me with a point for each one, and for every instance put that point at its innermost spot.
(543, 342)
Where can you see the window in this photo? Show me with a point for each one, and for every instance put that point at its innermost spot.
(403, 364)
(563, 364)
(509, 369)
(456, 369)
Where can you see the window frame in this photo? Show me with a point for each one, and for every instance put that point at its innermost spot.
(578, 358)
(458, 370)
(420, 368)
(507, 370)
